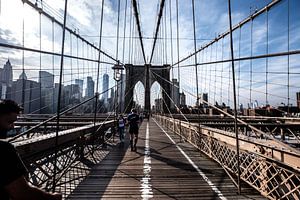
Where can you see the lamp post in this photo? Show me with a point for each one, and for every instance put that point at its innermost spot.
(117, 76)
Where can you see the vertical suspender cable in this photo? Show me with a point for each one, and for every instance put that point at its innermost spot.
(195, 48)
(53, 64)
(239, 74)
(82, 52)
(215, 84)
(221, 95)
(117, 55)
(130, 35)
(118, 28)
(98, 66)
(234, 99)
(177, 21)
(162, 43)
(166, 36)
(288, 59)
(267, 52)
(71, 63)
(251, 65)
(171, 41)
(40, 75)
(210, 69)
(59, 95)
(132, 43)
(88, 63)
(171, 36)
(206, 59)
(123, 58)
(23, 60)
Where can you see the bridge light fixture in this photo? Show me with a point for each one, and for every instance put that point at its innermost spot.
(117, 71)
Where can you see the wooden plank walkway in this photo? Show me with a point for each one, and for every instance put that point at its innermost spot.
(159, 169)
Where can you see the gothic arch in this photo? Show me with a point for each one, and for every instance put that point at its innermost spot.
(143, 73)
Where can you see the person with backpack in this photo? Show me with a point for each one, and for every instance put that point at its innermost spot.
(133, 121)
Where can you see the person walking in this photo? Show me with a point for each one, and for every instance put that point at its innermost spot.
(121, 128)
(133, 121)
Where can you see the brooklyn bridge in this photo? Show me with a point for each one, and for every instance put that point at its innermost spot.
(215, 84)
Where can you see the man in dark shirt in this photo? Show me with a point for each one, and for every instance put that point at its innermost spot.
(13, 184)
(133, 121)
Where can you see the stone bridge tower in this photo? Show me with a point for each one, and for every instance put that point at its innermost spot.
(143, 73)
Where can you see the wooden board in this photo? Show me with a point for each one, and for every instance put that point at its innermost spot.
(120, 174)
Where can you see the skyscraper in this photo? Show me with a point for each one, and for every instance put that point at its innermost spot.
(46, 79)
(6, 75)
(112, 94)
(29, 94)
(182, 99)
(105, 87)
(175, 93)
(79, 82)
(203, 99)
(90, 87)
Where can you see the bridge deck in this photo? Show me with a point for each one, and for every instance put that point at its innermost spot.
(163, 171)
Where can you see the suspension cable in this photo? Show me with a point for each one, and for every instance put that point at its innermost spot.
(234, 101)
(259, 12)
(136, 13)
(59, 95)
(162, 3)
(195, 49)
(177, 29)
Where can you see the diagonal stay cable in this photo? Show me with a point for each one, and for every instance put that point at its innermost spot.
(116, 85)
(249, 18)
(254, 129)
(32, 5)
(136, 14)
(162, 4)
(224, 112)
(55, 116)
(155, 76)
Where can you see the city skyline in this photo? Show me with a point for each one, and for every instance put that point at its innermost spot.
(265, 87)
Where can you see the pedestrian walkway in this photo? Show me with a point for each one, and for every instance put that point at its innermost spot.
(162, 168)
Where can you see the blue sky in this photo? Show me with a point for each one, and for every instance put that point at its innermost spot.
(211, 20)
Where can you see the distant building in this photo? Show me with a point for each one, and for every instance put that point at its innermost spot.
(6, 79)
(28, 96)
(46, 79)
(182, 99)
(72, 94)
(90, 87)
(6, 74)
(48, 101)
(3, 90)
(158, 105)
(175, 94)
(79, 82)
(298, 99)
(105, 87)
(23, 76)
(203, 99)
(112, 94)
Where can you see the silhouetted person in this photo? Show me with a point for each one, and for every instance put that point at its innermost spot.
(121, 128)
(13, 184)
(133, 121)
